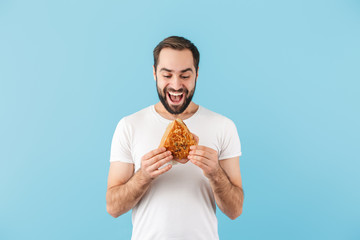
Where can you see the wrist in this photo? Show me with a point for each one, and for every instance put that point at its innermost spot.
(217, 175)
(143, 178)
(219, 181)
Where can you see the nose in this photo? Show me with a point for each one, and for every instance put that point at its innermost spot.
(176, 84)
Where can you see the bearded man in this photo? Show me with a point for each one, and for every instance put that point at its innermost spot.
(175, 201)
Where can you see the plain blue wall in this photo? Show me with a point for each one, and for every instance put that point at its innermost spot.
(286, 72)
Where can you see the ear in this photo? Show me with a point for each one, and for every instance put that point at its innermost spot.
(154, 73)
(197, 73)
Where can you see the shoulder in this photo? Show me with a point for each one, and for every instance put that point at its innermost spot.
(137, 117)
(212, 117)
(143, 113)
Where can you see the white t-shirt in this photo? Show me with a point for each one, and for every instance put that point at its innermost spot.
(179, 203)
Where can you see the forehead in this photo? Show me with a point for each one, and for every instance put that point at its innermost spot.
(176, 60)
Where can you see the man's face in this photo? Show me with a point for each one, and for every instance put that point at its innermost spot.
(175, 79)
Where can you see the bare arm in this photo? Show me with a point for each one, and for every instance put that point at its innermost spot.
(224, 177)
(227, 188)
(125, 188)
(124, 195)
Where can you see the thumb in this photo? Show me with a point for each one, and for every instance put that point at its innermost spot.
(196, 138)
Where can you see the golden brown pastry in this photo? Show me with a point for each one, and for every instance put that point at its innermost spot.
(178, 139)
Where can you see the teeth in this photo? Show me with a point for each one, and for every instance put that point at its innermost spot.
(175, 94)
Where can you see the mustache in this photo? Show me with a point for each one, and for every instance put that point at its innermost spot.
(182, 90)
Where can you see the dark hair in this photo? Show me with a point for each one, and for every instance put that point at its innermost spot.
(177, 43)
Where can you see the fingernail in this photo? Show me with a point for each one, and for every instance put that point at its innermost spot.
(192, 147)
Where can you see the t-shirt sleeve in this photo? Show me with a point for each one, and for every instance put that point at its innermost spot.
(230, 144)
(120, 145)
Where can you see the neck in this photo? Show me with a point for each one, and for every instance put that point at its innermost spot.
(189, 111)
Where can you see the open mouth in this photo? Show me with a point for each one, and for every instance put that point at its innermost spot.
(175, 98)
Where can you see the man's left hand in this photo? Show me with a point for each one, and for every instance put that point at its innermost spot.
(205, 158)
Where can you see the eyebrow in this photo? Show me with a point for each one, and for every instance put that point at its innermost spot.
(168, 70)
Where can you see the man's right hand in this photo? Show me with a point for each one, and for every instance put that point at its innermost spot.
(152, 161)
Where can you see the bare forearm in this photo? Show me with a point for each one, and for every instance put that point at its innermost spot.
(120, 199)
(228, 197)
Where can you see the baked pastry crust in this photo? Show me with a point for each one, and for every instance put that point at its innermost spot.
(178, 139)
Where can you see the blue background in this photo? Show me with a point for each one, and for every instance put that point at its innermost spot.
(286, 72)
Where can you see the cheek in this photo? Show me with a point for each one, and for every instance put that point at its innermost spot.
(190, 86)
(160, 85)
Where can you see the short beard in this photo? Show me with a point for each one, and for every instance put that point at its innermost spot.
(178, 109)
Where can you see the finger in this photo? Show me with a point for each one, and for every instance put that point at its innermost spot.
(201, 165)
(158, 157)
(161, 171)
(153, 153)
(202, 153)
(160, 163)
(200, 159)
(200, 147)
